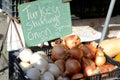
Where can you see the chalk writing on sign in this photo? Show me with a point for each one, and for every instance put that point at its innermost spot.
(45, 20)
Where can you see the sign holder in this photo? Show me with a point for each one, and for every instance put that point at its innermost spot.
(110, 10)
(3, 42)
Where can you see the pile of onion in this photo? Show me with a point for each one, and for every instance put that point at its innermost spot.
(71, 60)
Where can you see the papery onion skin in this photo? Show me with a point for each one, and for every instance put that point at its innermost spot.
(72, 67)
(72, 41)
(33, 74)
(100, 59)
(25, 66)
(39, 62)
(41, 65)
(75, 53)
(103, 69)
(87, 62)
(58, 52)
(77, 76)
(61, 64)
(89, 71)
(48, 76)
(63, 78)
(110, 67)
(53, 68)
(89, 50)
(25, 55)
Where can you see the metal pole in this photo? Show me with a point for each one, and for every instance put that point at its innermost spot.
(110, 10)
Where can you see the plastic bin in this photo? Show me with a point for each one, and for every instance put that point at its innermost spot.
(16, 72)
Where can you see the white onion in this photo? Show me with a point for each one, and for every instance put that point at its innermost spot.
(34, 58)
(33, 74)
(53, 68)
(25, 66)
(44, 55)
(39, 62)
(25, 55)
(62, 78)
(48, 76)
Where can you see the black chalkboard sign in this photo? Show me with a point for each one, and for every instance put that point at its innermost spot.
(44, 20)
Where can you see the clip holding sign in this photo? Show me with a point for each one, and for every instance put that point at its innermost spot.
(66, 1)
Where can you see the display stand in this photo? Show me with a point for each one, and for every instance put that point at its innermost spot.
(2, 56)
(110, 10)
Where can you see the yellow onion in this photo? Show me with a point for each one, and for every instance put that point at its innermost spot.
(72, 67)
(87, 62)
(100, 58)
(78, 76)
(58, 52)
(104, 69)
(89, 70)
(72, 41)
(75, 53)
(88, 50)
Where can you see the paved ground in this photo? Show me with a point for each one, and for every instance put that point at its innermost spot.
(3, 27)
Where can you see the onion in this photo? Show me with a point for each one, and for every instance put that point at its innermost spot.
(77, 76)
(43, 55)
(87, 62)
(25, 66)
(63, 78)
(104, 69)
(61, 64)
(47, 76)
(88, 50)
(75, 53)
(54, 69)
(39, 62)
(34, 58)
(72, 41)
(25, 55)
(93, 44)
(100, 58)
(57, 42)
(58, 52)
(72, 67)
(89, 71)
(33, 74)
(111, 67)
